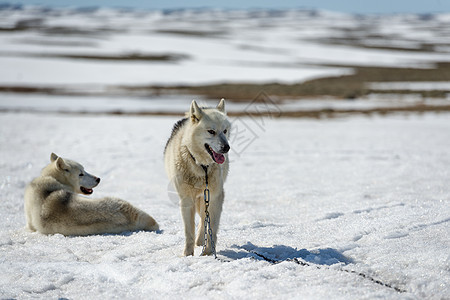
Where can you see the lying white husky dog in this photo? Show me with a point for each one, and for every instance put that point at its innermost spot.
(52, 204)
(199, 142)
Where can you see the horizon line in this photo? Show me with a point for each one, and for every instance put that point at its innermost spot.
(18, 6)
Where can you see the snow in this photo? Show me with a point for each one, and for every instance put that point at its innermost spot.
(344, 208)
(220, 46)
(176, 104)
(28, 71)
(412, 86)
(346, 197)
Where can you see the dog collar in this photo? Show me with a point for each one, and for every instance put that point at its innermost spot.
(205, 168)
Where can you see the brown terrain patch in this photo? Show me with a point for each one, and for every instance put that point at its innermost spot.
(341, 87)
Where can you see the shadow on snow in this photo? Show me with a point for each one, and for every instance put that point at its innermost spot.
(278, 253)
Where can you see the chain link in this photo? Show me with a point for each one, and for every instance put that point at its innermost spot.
(207, 223)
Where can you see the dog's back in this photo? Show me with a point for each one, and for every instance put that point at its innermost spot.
(173, 146)
(39, 201)
(175, 131)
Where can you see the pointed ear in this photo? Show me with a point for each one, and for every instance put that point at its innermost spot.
(53, 157)
(196, 112)
(221, 105)
(61, 164)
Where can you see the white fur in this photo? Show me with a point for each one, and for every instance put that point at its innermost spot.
(184, 156)
(52, 204)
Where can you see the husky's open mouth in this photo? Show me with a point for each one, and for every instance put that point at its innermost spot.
(217, 157)
(86, 191)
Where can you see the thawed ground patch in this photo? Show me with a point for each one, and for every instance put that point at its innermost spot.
(360, 203)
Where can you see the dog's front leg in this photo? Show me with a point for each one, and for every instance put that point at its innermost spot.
(200, 207)
(188, 214)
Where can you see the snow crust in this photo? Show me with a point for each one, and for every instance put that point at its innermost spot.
(369, 195)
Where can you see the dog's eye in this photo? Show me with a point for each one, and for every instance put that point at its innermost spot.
(212, 132)
(81, 175)
(225, 131)
(67, 170)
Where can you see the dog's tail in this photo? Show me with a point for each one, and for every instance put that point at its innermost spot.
(136, 218)
(146, 222)
(139, 219)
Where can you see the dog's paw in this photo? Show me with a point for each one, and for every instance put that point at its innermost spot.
(207, 252)
(200, 241)
(188, 252)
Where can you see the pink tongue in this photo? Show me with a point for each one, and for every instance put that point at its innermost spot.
(86, 190)
(219, 158)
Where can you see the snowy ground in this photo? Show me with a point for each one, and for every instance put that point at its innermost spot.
(347, 196)
(362, 204)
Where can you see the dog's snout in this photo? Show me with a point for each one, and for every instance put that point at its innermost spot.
(97, 180)
(225, 148)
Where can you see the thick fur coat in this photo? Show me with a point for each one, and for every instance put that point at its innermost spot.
(53, 204)
(200, 140)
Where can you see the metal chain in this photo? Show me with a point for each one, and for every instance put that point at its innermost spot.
(207, 224)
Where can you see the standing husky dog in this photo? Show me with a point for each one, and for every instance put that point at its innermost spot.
(52, 204)
(199, 142)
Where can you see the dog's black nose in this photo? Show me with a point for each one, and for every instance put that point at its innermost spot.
(97, 180)
(226, 148)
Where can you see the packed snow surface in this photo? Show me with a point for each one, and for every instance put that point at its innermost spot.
(362, 203)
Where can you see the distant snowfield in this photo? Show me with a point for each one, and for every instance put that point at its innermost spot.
(346, 196)
(177, 104)
(411, 86)
(218, 46)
